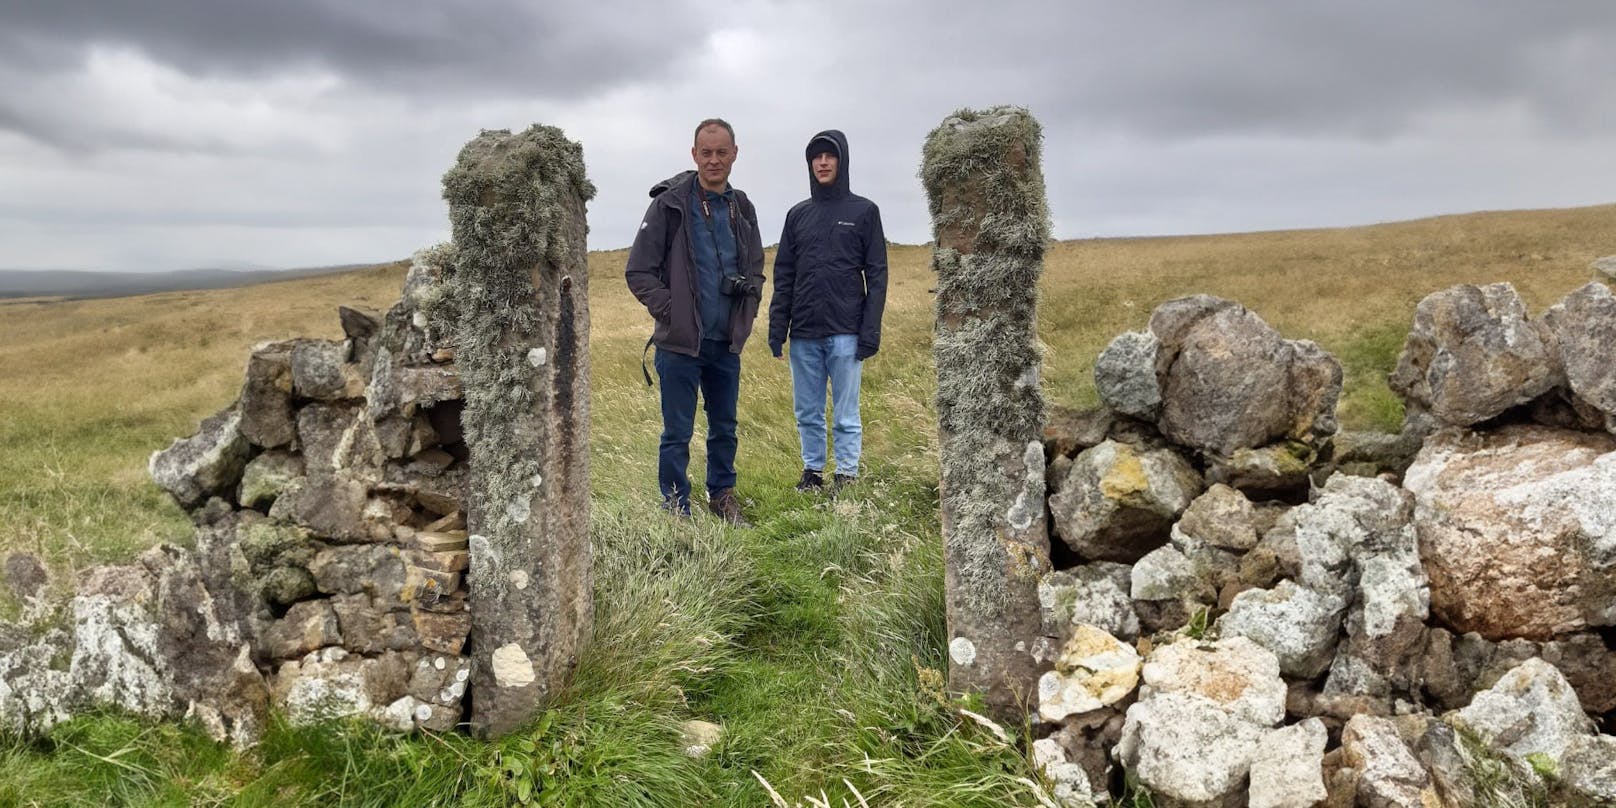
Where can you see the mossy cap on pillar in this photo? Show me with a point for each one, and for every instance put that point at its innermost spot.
(991, 222)
(519, 284)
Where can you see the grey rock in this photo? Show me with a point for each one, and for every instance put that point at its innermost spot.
(377, 571)
(307, 626)
(1276, 470)
(205, 464)
(1231, 382)
(1125, 375)
(1583, 327)
(1389, 776)
(1375, 452)
(1588, 772)
(1299, 625)
(1472, 354)
(325, 433)
(320, 371)
(25, 576)
(266, 396)
(363, 329)
(1096, 594)
(1517, 530)
(266, 476)
(1068, 431)
(1287, 767)
(332, 683)
(330, 506)
(1222, 517)
(1069, 782)
(1606, 265)
(1184, 747)
(1531, 710)
(1118, 502)
(1442, 754)
(369, 628)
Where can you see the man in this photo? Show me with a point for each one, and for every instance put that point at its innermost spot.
(697, 266)
(830, 286)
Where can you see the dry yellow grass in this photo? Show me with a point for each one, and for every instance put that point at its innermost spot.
(90, 388)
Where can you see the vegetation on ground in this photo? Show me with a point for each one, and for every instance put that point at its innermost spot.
(815, 640)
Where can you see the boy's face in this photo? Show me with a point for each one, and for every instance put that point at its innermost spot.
(824, 168)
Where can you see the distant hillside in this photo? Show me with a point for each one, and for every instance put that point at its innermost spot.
(16, 283)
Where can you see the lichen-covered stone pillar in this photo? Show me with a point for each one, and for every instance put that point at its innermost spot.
(990, 223)
(520, 287)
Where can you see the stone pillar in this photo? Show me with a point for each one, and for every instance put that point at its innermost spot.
(520, 287)
(990, 223)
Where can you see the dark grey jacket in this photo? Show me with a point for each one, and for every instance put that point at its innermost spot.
(661, 269)
(830, 273)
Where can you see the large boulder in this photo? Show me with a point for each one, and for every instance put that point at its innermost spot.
(206, 464)
(1201, 716)
(1583, 326)
(1472, 354)
(266, 396)
(1229, 381)
(1299, 625)
(1119, 501)
(1517, 530)
(1532, 710)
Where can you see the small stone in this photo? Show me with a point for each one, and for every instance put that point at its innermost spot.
(697, 738)
(25, 577)
(1094, 670)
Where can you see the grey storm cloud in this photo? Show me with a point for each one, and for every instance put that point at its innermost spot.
(562, 49)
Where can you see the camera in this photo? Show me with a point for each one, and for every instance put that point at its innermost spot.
(739, 286)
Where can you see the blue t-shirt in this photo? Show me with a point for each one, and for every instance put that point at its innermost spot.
(713, 243)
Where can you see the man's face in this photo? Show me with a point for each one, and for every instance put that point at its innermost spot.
(714, 153)
(824, 167)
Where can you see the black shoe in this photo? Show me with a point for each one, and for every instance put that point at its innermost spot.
(840, 481)
(727, 507)
(811, 481)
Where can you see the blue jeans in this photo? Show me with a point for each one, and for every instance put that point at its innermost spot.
(815, 362)
(717, 375)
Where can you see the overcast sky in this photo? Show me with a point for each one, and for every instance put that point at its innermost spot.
(170, 134)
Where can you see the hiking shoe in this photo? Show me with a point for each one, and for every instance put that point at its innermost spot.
(811, 481)
(726, 506)
(840, 481)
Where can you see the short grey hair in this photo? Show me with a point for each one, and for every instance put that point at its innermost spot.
(713, 122)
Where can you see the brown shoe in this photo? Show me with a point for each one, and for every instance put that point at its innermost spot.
(727, 507)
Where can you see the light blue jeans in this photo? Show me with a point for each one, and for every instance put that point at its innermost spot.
(814, 363)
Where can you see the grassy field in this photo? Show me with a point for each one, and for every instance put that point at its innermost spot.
(815, 639)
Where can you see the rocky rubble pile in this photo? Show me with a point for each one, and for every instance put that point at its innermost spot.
(1250, 608)
(327, 578)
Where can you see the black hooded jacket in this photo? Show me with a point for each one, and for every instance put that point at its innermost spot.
(661, 270)
(830, 273)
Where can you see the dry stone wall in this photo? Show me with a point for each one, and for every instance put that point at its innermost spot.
(1314, 617)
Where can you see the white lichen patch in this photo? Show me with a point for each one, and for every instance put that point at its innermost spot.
(962, 651)
(537, 357)
(519, 510)
(1029, 502)
(512, 668)
(419, 319)
(519, 579)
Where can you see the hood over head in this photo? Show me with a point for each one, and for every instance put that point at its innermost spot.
(656, 190)
(837, 144)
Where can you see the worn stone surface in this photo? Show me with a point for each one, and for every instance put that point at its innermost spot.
(1068, 431)
(330, 506)
(266, 476)
(1276, 470)
(332, 683)
(1234, 673)
(1125, 375)
(698, 738)
(1231, 382)
(376, 571)
(321, 371)
(1517, 530)
(308, 625)
(266, 396)
(205, 464)
(1094, 670)
(1069, 783)
(984, 184)
(1532, 710)
(1096, 594)
(1118, 502)
(1287, 767)
(1222, 517)
(1299, 625)
(1588, 772)
(520, 280)
(1583, 327)
(1389, 776)
(1185, 747)
(1372, 453)
(1472, 354)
